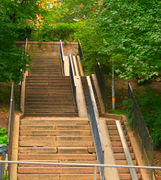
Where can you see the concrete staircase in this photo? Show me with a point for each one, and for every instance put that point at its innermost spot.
(51, 130)
(48, 92)
(56, 139)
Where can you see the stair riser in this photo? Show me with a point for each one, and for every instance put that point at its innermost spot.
(57, 157)
(53, 122)
(58, 127)
(57, 177)
(57, 170)
(54, 144)
(54, 133)
(58, 150)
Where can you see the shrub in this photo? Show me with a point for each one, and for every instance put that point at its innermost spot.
(3, 136)
(63, 31)
(149, 102)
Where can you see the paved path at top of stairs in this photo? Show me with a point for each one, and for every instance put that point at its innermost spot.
(59, 139)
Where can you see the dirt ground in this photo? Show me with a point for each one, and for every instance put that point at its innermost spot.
(4, 118)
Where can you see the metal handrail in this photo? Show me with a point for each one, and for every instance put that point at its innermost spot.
(62, 55)
(72, 82)
(82, 165)
(93, 115)
(102, 85)
(26, 45)
(22, 83)
(12, 113)
(11, 124)
(140, 128)
(80, 50)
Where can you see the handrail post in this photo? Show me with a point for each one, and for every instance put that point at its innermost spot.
(95, 173)
(80, 50)
(62, 55)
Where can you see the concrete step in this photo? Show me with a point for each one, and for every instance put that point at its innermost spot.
(121, 150)
(68, 157)
(50, 143)
(55, 138)
(124, 162)
(54, 77)
(47, 110)
(55, 127)
(54, 150)
(33, 75)
(121, 156)
(54, 107)
(57, 170)
(50, 114)
(49, 96)
(117, 138)
(46, 69)
(128, 176)
(50, 84)
(55, 132)
(115, 133)
(49, 87)
(57, 176)
(119, 144)
(55, 161)
(48, 101)
(54, 122)
(49, 92)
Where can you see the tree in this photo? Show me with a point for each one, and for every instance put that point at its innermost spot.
(69, 11)
(129, 34)
(14, 23)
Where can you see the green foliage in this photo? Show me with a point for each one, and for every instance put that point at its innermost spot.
(5, 177)
(149, 102)
(71, 11)
(130, 38)
(5, 91)
(3, 136)
(63, 31)
(14, 18)
(128, 108)
(116, 112)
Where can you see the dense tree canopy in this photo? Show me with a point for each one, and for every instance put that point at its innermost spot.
(127, 32)
(15, 18)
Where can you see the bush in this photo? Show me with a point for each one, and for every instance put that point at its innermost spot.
(63, 31)
(149, 102)
(3, 136)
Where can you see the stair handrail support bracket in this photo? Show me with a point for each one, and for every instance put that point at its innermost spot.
(93, 116)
